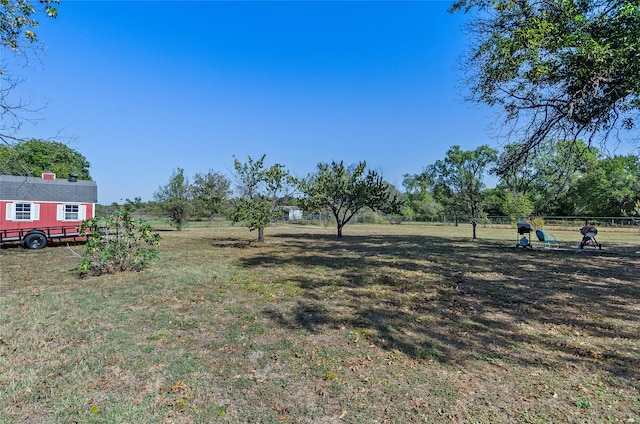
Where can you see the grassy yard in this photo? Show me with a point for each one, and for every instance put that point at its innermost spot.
(391, 324)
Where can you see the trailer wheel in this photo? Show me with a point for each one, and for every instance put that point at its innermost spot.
(35, 241)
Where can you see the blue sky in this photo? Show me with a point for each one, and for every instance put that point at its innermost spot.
(142, 88)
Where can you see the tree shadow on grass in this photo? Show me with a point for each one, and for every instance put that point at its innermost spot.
(454, 300)
(230, 242)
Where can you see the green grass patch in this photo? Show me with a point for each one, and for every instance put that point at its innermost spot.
(402, 323)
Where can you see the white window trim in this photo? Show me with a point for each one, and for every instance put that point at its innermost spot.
(34, 213)
(61, 212)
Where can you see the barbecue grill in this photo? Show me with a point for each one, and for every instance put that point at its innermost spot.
(524, 234)
(589, 237)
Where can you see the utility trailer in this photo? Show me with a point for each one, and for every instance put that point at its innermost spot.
(34, 211)
(37, 238)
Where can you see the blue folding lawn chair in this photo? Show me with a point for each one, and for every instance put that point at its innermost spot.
(548, 239)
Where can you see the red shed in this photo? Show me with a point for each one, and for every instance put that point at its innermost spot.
(35, 210)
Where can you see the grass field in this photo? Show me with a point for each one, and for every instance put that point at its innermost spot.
(391, 324)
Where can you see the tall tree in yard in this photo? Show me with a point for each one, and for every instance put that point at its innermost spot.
(210, 192)
(263, 191)
(609, 188)
(419, 202)
(458, 179)
(175, 199)
(547, 178)
(346, 190)
(562, 70)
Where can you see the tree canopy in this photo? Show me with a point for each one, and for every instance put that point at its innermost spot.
(566, 178)
(263, 192)
(210, 192)
(346, 190)
(175, 199)
(33, 157)
(547, 178)
(18, 21)
(610, 187)
(566, 70)
(418, 198)
(459, 180)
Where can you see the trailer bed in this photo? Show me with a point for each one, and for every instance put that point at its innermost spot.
(56, 232)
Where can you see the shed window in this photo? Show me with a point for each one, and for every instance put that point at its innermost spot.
(71, 212)
(23, 211)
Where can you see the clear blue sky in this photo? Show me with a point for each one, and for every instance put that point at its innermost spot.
(146, 87)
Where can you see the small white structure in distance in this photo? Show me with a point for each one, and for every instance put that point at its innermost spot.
(292, 213)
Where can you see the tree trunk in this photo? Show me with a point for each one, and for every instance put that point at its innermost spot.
(260, 235)
(474, 223)
(340, 230)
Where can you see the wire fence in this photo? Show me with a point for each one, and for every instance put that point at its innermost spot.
(369, 217)
(557, 221)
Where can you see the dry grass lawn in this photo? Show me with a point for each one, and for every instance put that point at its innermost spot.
(391, 324)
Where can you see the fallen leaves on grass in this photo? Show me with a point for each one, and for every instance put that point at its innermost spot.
(179, 389)
(281, 412)
(179, 386)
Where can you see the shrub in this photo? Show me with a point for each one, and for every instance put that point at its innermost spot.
(517, 206)
(117, 243)
(368, 216)
(538, 222)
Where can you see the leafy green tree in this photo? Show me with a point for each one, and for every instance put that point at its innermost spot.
(175, 199)
(547, 178)
(419, 203)
(517, 206)
(569, 178)
(18, 22)
(393, 216)
(635, 211)
(117, 243)
(610, 188)
(493, 200)
(133, 205)
(33, 157)
(562, 70)
(459, 180)
(347, 190)
(210, 192)
(263, 193)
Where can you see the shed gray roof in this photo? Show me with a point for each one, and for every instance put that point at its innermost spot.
(37, 189)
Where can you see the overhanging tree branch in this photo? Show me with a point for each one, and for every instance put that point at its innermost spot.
(556, 69)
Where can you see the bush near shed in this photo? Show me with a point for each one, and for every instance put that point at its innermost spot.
(118, 243)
